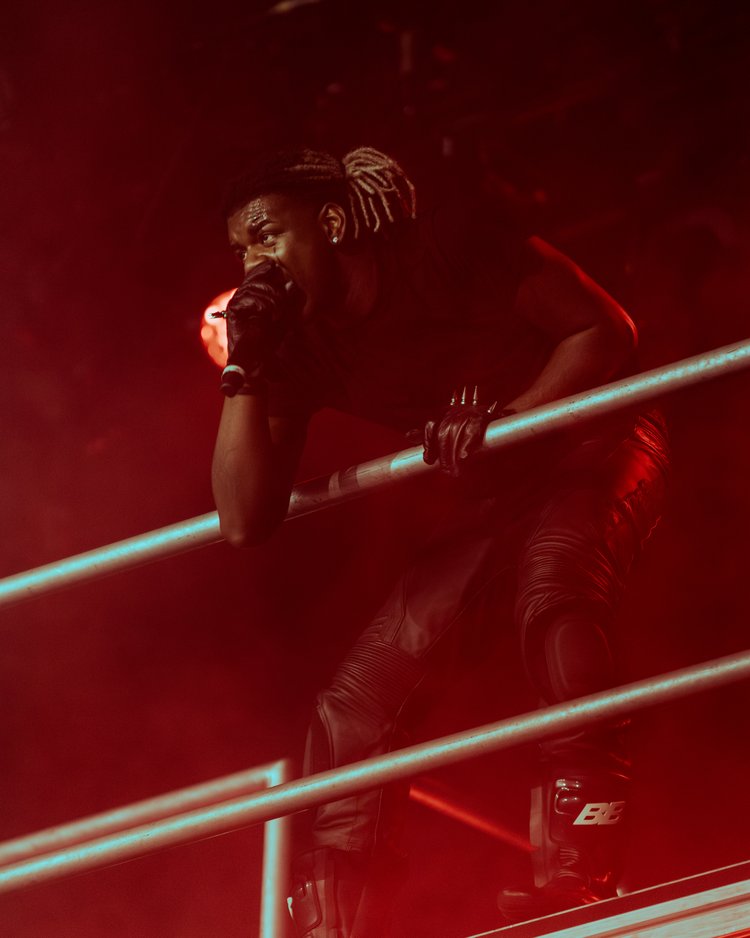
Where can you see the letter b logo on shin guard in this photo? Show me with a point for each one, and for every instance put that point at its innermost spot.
(601, 813)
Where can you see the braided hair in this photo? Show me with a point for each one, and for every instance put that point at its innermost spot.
(374, 188)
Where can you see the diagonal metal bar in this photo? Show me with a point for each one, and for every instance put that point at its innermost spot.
(140, 812)
(93, 564)
(276, 834)
(347, 484)
(360, 776)
(714, 904)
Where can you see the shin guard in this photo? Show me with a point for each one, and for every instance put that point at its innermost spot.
(577, 822)
(577, 826)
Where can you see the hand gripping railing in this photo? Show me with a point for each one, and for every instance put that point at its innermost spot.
(294, 796)
(351, 483)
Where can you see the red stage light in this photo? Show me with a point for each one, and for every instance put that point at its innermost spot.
(214, 331)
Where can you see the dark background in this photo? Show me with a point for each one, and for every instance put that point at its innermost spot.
(618, 131)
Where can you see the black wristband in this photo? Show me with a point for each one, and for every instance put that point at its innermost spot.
(254, 386)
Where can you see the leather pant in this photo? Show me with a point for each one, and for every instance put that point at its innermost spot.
(568, 553)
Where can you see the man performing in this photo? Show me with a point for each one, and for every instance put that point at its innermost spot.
(440, 323)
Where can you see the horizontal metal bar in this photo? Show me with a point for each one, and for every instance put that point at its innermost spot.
(360, 776)
(140, 812)
(347, 484)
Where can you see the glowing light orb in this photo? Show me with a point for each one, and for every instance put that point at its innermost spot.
(214, 331)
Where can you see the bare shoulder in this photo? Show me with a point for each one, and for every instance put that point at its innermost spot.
(557, 295)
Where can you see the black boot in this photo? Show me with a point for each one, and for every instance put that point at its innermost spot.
(576, 828)
(337, 894)
(326, 889)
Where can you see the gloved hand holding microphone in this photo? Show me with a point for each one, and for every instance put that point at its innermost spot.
(256, 318)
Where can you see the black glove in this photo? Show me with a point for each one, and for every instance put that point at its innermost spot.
(255, 323)
(454, 437)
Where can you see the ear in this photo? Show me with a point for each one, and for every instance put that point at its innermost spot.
(332, 218)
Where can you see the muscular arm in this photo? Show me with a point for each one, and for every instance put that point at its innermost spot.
(254, 464)
(593, 335)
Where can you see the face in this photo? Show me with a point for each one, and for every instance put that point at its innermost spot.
(298, 237)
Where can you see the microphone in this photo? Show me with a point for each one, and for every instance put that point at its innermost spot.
(249, 348)
(232, 379)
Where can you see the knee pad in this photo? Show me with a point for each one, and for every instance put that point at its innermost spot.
(358, 715)
(577, 656)
(573, 660)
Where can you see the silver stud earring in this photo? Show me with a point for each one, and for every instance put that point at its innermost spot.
(335, 239)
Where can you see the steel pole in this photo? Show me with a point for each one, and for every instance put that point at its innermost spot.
(93, 564)
(277, 843)
(276, 833)
(351, 483)
(360, 776)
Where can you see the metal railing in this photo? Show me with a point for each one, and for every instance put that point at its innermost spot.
(297, 795)
(41, 847)
(351, 483)
(714, 904)
(175, 818)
